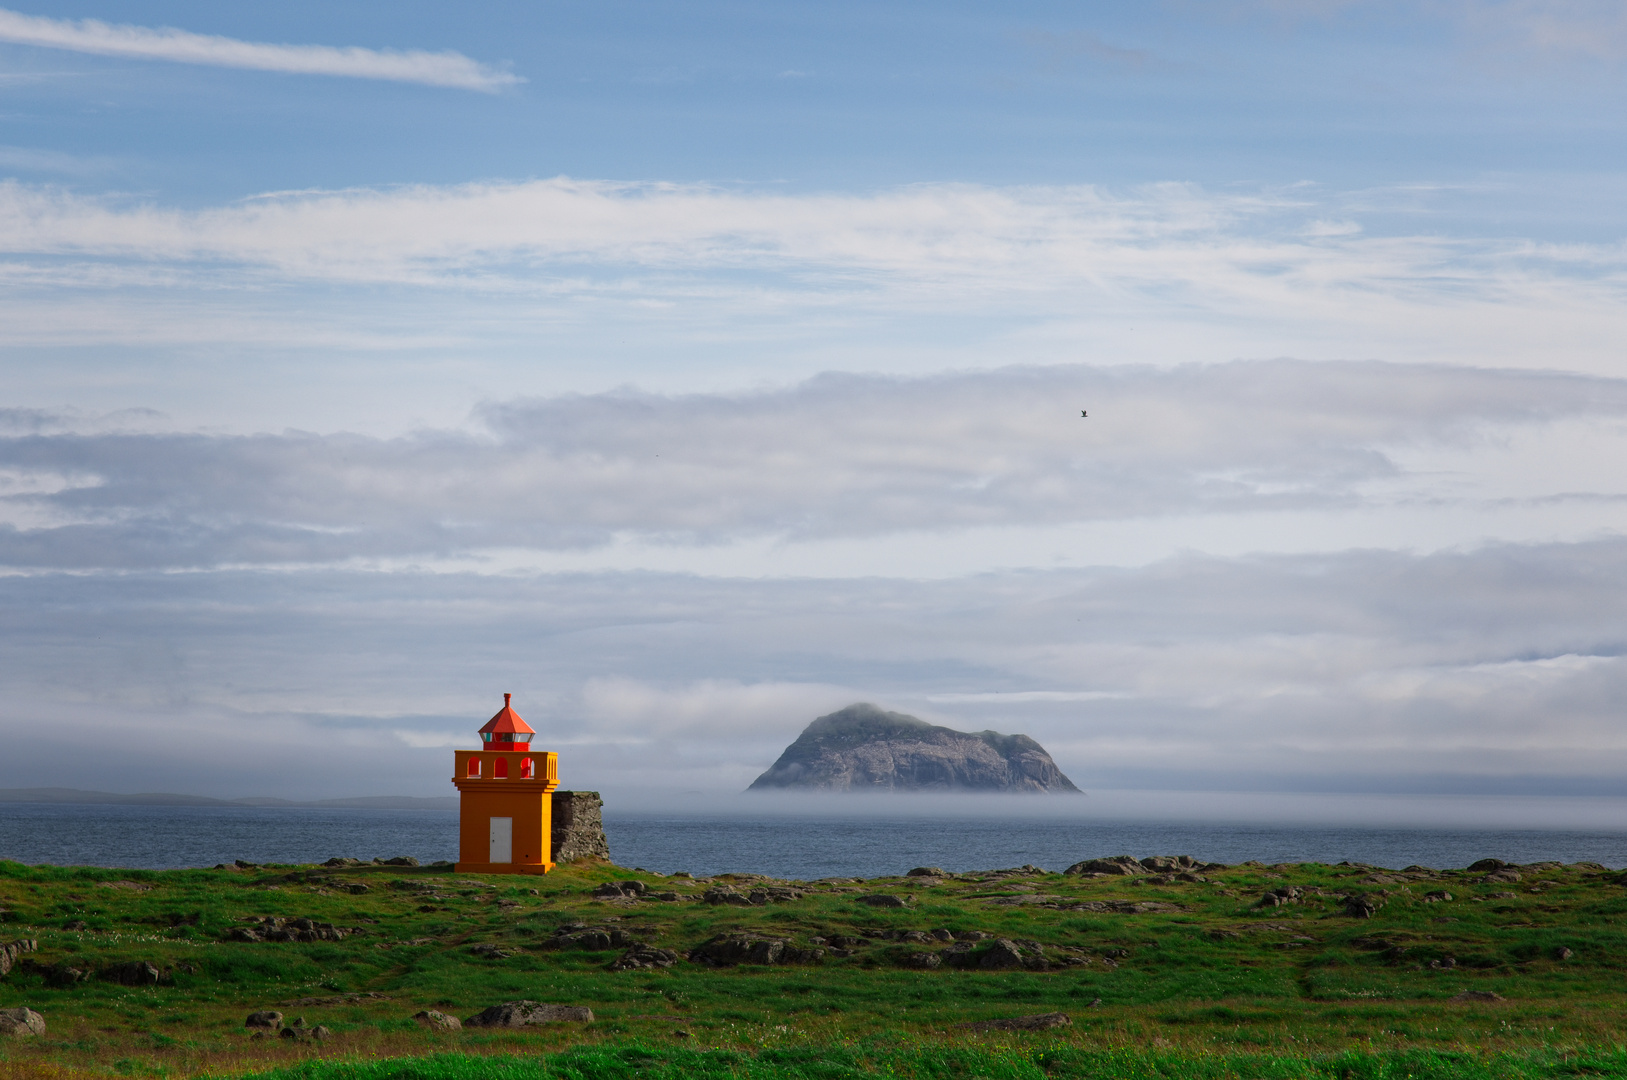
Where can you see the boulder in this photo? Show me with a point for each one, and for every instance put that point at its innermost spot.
(1504, 875)
(1477, 995)
(1003, 954)
(1363, 905)
(1125, 865)
(321, 1033)
(438, 1021)
(643, 956)
(616, 890)
(1486, 866)
(134, 973)
(342, 862)
(491, 952)
(924, 961)
(1169, 864)
(1042, 1022)
(926, 871)
(356, 888)
(883, 900)
(513, 1014)
(268, 1020)
(727, 950)
(591, 938)
(401, 860)
(22, 1021)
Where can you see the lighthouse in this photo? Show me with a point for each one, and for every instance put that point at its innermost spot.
(505, 799)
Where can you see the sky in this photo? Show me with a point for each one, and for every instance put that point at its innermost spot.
(692, 370)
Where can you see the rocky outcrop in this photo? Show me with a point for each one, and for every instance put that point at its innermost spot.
(10, 953)
(863, 748)
(512, 1014)
(578, 825)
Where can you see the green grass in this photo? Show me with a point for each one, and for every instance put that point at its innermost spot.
(844, 1063)
(1214, 982)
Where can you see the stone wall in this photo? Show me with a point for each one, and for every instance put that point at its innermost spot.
(579, 827)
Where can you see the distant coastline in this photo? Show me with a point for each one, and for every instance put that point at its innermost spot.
(159, 798)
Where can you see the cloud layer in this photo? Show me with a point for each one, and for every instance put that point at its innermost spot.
(839, 456)
(447, 69)
(1497, 670)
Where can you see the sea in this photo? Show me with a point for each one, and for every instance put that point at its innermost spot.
(799, 847)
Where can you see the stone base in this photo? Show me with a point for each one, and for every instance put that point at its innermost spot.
(503, 868)
(578, 827)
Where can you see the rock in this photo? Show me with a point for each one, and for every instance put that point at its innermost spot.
(356, 888)
(885, 900)
(1486, 866)
(267, 1020)
(438, 1021)
(1003, 954)
(591, 938)
(1563, 953)
(925, 961)
(65, 976)
(279, 929)
(21, 1021)
(1477, 995)
(1437, 897)
(321, 1033)
(512, 1014)
(343, 862)
(643, 956)
(10, 953)
(491, 952)
(1363, 905)
(1042, 1022)
(292, 1033)
(135, 973)
(1168, 864)
(863, 748)
(1118, 864)
(1500, 876)
(76, 924)
(1278, 897)
(615, 890)
(401, 860)
(578, 827)
(926, 871)
(727, 950)
(726, 894)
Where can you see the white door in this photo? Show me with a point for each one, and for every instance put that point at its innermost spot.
(502, 839)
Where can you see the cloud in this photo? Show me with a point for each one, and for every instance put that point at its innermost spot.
(839, 456)
(447, 69)
(1490, 670)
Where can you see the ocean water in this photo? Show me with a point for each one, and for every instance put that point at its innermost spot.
(806, 847)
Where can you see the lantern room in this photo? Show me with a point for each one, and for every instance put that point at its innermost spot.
(505, 799)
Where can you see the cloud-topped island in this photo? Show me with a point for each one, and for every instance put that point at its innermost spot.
(863, 748)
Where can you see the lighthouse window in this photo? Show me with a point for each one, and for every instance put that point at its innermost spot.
(528, 769)
(474, 766)
(499, 769)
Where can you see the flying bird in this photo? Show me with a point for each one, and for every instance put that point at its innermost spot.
(1083, 413)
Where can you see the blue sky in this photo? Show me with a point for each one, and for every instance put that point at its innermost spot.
(728, 359)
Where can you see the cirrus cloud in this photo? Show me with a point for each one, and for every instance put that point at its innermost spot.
(448, 69)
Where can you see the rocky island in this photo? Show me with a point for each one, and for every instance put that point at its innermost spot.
(863, 748)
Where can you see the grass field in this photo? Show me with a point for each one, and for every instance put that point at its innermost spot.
(1159, 977)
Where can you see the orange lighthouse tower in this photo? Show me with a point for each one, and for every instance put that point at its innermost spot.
(506, 801)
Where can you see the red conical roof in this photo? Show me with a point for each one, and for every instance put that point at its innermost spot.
(507, 720)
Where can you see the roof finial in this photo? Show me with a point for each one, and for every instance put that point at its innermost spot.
(505, 700)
